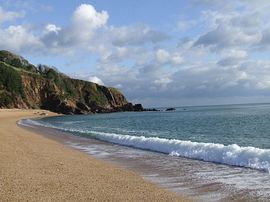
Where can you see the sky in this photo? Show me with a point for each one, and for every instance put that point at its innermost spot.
(157, 52)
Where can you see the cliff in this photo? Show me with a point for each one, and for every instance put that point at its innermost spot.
(23, 85)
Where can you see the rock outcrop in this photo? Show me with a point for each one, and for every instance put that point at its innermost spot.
(23, 85)
(170, 109)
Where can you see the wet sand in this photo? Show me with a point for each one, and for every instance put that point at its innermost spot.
(34, 168)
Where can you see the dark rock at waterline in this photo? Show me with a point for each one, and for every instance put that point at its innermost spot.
(151, 110)
(170, 109)
(130, 107)
(138, 108)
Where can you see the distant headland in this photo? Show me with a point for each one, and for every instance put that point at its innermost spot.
(26, 86)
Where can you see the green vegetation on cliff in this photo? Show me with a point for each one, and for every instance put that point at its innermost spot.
(16, 61)
(10, 79)
(10, 85)
(22, 85)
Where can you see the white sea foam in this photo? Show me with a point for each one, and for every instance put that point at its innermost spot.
(235, 155)
(250, 157)
(30, 122)
(27, 122)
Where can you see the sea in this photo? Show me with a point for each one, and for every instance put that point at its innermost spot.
(207, 153)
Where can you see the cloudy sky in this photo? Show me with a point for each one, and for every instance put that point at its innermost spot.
(157, 52)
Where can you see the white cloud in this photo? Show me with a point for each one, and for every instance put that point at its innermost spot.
(236, 53)
(163, 57)
(247, 21)
(227, 37)
(84, 23)
(86, 17)
(9, 15)
(85, 20)
(177, 59)
(264, 43)
(232, 57)
(52, 28)
(163, 82)
(19, 38)
(240, 26)
(87, 31)
(95, 79)
(79, 33)
(136, 35)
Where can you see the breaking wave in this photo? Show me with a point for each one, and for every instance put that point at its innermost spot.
(250, 157)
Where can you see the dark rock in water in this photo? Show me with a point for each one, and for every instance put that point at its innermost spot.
(138, 108)
(151, 110)
(170, 109)
(128, 107)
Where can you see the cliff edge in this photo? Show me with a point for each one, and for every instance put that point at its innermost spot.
(25, 86)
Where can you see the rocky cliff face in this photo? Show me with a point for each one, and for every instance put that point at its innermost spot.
(22, 85)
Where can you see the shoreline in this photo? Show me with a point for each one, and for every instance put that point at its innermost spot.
(34, 167)
(198, 180)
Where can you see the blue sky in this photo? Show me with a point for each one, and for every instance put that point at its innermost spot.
(158, 53)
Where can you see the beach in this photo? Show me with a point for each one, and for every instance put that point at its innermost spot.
(34, 168)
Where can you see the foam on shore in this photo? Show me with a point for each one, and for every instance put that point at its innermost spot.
(234, 155)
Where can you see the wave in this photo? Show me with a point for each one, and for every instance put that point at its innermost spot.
(28, 123)
(234, 155)
(69, 122)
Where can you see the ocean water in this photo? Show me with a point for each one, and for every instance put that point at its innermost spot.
(225, 147)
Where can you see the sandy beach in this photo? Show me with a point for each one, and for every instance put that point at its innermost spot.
(34, 168)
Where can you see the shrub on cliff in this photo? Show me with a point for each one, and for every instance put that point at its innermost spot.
(10, 80)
